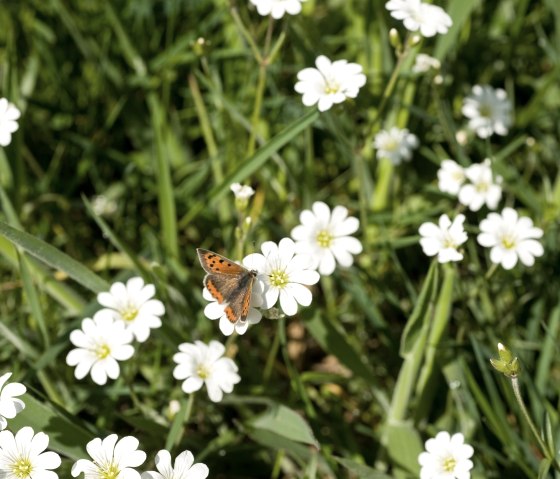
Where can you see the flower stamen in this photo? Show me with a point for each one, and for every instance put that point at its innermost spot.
(109, 472)
(22, 468)
(448, 464)
(324, 239)
(129, 313)
(279, 279)
(102, 351)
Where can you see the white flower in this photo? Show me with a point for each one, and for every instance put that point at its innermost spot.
(481, 188)
(443, 239)
(395, 144)
(511, 238)
(277, 8)
(285, 275)
(446, 457)
(8, 124)
(183, 468)
(101, 342)
(330, 82)
(451, 177)
(133, 304)
(103, 205)
(424, 63)
(324, 236)
(418, 16)
(10, 406)
(22, 456)
(242, 192)
(215, 310)
(111, 458)
(198, 364)
(488, 111)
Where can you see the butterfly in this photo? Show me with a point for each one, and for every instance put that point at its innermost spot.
(228, 282)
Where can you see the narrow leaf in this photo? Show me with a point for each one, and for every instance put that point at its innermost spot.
(54, 258)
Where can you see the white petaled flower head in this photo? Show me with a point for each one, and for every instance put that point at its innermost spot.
(489, 111)
(446, 457)
(10, 405)
(420, 17)
(451, 177)
(215, 310)
(23, 456)
(511, 237)
(424, 63)
(277, 8)
(325, 237)
(183, 468)
(330, 83)
(199, 364)
(112, 459)
(285, 274)
(481, 187)
(101, 343)
(242, 192)
(9, 114)
(444, 238)
(133, 304)
(395, 144)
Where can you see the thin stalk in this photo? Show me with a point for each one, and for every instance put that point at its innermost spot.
(179, 421)
(515, 385)
(259, 92)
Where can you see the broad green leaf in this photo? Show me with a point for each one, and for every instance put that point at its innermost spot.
(403, 446)
(285, 422)
(54, 258)
(65, 435)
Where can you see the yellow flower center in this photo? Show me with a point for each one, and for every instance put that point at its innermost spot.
(485, 111)
(110, 471)
(508, 242)
(22, 468)
(129, 314)
(202, 371)
(449, 243)
(102, 351)
(331, 87)
(324, 239)
(448, 464)
(279, 279)
(482, 187)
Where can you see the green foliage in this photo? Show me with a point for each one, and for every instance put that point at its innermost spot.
(157, 107)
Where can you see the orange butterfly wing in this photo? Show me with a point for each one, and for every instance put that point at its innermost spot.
(228, 282)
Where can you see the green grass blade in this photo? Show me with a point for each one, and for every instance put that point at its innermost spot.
(54, 258)
(33, 298)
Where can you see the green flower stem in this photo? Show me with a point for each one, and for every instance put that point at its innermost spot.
(180, 420)
(206, 128)
(439, 325)
(515, 385)
(382, 185)
(246, 35)
(269, 365)
(263, 61)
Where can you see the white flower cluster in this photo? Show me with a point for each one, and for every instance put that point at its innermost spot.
(418, 16)
(113, 457)
(130, 313)
(284, 271)
(511, 238)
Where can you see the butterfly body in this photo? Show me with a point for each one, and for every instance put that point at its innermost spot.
(228, 282)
